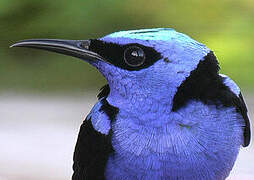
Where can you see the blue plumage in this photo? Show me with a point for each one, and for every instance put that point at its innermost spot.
(166, 112)
(149, 140)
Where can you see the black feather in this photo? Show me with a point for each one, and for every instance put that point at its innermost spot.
(206, 85)
(243, 110)
(114, 54)
(104, 91)
(91, 153)
(93, 148)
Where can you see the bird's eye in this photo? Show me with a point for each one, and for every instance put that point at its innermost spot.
(134, 56)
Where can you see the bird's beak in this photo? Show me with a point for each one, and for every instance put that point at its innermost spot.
(75, 48)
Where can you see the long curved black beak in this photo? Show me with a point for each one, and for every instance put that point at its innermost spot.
(75, 48)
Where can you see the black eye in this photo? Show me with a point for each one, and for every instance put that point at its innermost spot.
(134, 56)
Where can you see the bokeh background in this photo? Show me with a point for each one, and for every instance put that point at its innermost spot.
(44, 96)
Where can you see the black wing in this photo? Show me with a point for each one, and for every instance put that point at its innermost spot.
(241, 107)
(91, 153)
(92, 148)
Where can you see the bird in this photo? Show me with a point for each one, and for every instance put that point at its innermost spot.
(165, 113)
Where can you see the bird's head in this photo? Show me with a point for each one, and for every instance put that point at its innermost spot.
(137, 64)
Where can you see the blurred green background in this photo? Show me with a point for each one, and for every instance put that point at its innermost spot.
(225, 26)
(39, 128)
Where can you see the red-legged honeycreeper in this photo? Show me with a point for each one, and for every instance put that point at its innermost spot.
(166, 112)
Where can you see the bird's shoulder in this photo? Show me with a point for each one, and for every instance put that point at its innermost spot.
(205, 84)
(94, 146)
(240, 105)
(231, 84)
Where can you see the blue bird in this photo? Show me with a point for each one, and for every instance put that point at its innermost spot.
(166, 112)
